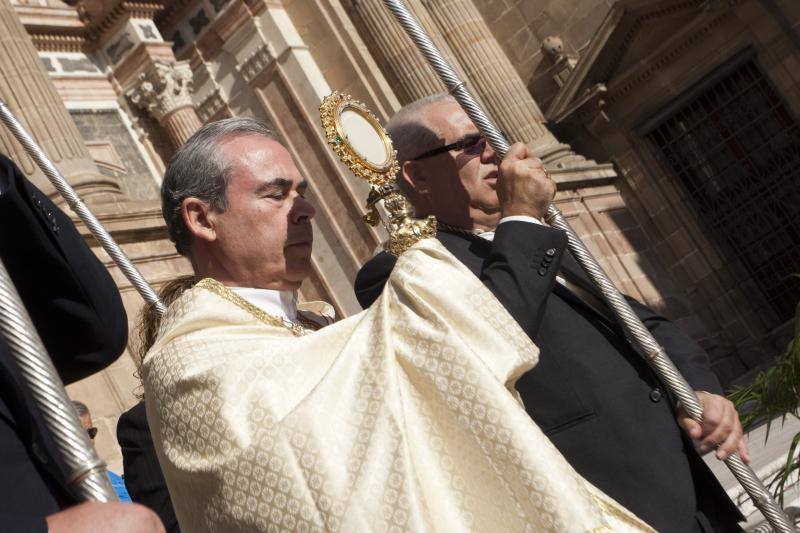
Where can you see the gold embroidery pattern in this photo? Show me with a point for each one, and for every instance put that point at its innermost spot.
(224, 292)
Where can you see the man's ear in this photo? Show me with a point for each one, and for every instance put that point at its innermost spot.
(415, 178)
(200, 218)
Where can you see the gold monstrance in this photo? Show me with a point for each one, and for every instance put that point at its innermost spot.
(363, 145)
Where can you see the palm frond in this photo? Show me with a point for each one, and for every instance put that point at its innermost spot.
(775, 394)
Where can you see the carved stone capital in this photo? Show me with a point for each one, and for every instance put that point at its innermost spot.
(163, 88)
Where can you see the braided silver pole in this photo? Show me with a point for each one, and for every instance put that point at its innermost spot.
(87, 471)
(637, 332)
(80, 209)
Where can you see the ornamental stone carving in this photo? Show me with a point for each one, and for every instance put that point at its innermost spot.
(163, 88)
(255, 63)
(211, 104)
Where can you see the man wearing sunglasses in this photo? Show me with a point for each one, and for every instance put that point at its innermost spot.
(592, 395)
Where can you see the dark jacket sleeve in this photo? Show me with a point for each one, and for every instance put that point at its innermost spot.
(521, 268)
(143, 477)
(69, 294)
(688, 356)
(28, 524)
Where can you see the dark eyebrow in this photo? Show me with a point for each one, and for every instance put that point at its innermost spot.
(277, 183)
(282, 184)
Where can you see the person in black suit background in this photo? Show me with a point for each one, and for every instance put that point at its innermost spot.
(143, 476)
(591, 393)
(77, 310)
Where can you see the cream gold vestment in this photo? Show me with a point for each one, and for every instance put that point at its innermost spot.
(399, 418)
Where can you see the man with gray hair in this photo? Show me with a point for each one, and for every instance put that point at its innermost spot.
(591, 393)
(263, 419)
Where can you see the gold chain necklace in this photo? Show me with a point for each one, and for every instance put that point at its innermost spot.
(298, 330)
(456, 229)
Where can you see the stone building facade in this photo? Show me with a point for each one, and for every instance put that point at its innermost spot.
(671, 127)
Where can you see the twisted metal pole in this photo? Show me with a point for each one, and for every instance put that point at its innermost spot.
(87, 472)
(80, 209)
(637, 332)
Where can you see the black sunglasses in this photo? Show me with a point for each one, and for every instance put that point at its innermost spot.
(473, 143)
(92, 432)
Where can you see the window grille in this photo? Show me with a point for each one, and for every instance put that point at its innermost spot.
(735, 148)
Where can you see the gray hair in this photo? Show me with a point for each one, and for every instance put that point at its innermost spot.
(80, 408)
(198, 170)
(411, 133)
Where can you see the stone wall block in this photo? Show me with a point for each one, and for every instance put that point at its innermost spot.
(30, 94)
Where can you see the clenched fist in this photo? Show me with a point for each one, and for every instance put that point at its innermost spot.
(524, 187)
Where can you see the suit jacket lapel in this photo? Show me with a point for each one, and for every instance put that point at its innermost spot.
(573, 273)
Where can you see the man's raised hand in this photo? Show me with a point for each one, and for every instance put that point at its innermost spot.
(524, 187)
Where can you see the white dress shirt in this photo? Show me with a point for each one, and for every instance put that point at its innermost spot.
(489, 235)
(281, 304)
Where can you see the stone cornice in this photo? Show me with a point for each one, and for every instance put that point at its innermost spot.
(596, 72)
(50, 42)
(629, 80)
(83, 27)
(128, 222)
(610, 43)
(582, 106)
(44, 18)
(233, 19)
(140, 59)
(101, 26)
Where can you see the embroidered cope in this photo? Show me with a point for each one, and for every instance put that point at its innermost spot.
(400, 418)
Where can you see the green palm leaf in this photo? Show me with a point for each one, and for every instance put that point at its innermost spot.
(775, 394)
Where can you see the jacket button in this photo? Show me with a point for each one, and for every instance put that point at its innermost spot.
(656, 395)
(550, 252)
(547, 259)
(543, 271)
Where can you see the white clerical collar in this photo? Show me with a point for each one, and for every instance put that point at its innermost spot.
(282, 304)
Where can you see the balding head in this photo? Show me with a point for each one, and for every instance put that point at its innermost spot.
(455, 183)
(412, 132)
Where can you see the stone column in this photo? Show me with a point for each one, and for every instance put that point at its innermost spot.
(463, 37)
(402, 63)
(491, 74)
(27, 89)
(165, 91)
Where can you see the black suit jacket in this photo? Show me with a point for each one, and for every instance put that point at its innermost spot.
(143, 477)
(78, 313)
(594, 397)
